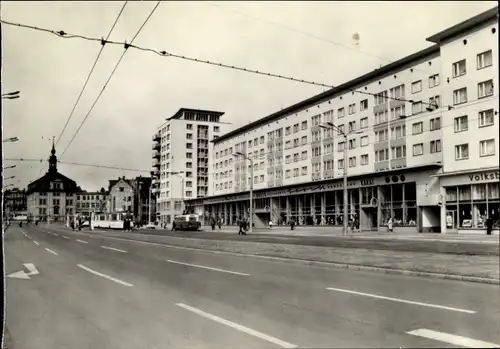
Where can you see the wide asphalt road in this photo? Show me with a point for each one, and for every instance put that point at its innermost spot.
(488, 247)
(84, 290)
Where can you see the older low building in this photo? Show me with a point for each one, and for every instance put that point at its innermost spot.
(121, 195)
(53, 196)
(14, 201)
(91, 202)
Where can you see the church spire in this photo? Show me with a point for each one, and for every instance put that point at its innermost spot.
(53, 159)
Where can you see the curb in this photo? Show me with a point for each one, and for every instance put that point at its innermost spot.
(361, 267)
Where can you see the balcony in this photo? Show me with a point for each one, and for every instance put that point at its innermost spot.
(156, 146)
(155, 172)
(155, 163)
(156, 154)
(156, 137)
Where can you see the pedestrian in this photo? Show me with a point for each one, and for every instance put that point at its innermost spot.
(220, 223)
(292, 224)
(242, 224)
(270, 224)
(489, 225)
(212, 222)
(389, 225)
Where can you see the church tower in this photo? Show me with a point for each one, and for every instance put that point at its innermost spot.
(53, 159)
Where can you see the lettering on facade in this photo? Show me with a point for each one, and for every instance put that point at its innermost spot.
(484, 176)
(365, 182)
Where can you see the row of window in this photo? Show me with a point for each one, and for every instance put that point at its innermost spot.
(55, 202)
(486, 148)
(90, 197)
(483, 60)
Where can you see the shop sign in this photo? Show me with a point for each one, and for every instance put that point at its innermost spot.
(485, 176)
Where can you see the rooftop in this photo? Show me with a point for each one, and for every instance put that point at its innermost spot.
(183, 110)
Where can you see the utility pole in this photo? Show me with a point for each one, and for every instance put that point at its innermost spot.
(250, 229)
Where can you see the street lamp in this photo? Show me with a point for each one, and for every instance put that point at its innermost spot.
(331, 125)
(11, 177)
(11, 139)
(11, 95)
(5, 168)
(178, 174)
(251, 188)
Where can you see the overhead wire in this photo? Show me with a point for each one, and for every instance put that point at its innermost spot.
(164, 53)
(126, 46)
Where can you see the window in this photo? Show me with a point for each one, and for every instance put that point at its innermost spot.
(398, 112)
(416, 86)
(340, 163)
(340, 113)
(189, 145)
(381, 117)
(261, 141)
(304, 155)
(341, 129)
(364, 141)
(189, 194)
(279, 133)
(460, 96)
(261, 153)
(328, 165)
(352, 126)
(296, 142)
(189, 136)
(352, 161)
(316, 136)
(250, 142)
(288, 159)
(288, 130)
(398, 91)
(363, 104)
(399, 152)
(363, 123)
(216, 128)
(487, 147)
(352, 144)
(189, 126)
(304, 170)
(316, 120)
(462, 151)
(435, 124)
(352, 108)
(304, 140)
(304, 125)
(261, 178)
(435, 101)
(433, 80)
(418, 149)
(295, 157)
(381, 136)
(398, 132)
(485, 89)
(341, 146)
(461, 123)
(316, 151)
(288, 173)
(189, 184)
(316, 167)
(436, 146)
(418, 128)
(416, 108)
(380, 97)
(459, 68)
(486, 118)
(328, 148)
(288, 144)
(382, 155)
(296, 128)
(364, 159)
(484, 59)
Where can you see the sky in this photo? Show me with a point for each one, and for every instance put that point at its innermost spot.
(306, 40)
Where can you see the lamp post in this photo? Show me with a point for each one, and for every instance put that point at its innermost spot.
(331, 125)
(13, 166)
(11, 177)
(11, 95)
(10, 139)
(179, 174)
(251, 188)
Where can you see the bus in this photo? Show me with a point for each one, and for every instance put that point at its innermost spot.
(111, 220)
(186, 222)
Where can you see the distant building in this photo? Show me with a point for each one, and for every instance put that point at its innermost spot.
(53, 196)
(181, 161)
(121, 195)
(87, 202)
(144, 201)
(14, 201)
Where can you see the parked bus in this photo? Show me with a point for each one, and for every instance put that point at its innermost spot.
(186, 222)
(110, 220)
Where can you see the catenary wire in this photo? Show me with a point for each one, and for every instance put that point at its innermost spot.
(110, 77)
(164, 53)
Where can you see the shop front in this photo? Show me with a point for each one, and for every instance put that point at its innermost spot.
(469, 199)
(372, 201)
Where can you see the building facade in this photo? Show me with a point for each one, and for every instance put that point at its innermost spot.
(181, 161)
(121, 195)
(53, 196)
(91, 202)
(144, 203)
(422, 146)
(14, 201)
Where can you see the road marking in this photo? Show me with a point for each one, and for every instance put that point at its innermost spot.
(105, 276)
(23, 275)
(209, 268)
(56, 234)
(83, 242)
(65, 237)
(403, 300)
(53, 252)
(452, 339)
(113, 249)
(36, 243)
(238, 327)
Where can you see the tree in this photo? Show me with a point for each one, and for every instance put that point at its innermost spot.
(102, 191)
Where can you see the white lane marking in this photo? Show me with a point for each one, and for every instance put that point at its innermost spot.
(65, 237)
(53, 252)
(403, 300)
(56, 234)
(452, 339)
(209, 268)
(105, 276)
(83, 242)
(113, 249)
(238, 327)
(36, 243)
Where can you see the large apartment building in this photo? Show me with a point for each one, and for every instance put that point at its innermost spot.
(422, 145)
(181, 161)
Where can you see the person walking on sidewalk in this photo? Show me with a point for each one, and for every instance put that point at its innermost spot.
(389, 225)
(242, 224)
(489, 225)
